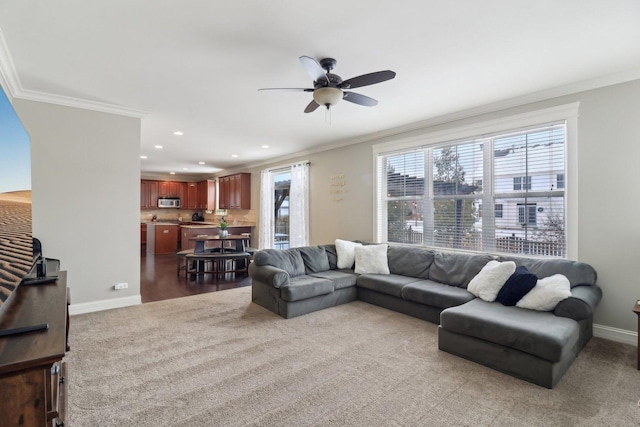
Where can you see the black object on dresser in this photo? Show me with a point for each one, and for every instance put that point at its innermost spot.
(33, 383)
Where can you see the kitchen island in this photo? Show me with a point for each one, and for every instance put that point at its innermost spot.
(162, 238)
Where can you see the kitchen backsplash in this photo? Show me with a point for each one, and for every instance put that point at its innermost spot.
(239, 217)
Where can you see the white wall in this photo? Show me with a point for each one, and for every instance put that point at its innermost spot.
(608, 195)
(85, 183)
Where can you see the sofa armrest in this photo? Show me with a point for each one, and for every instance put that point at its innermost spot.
(581, 304)
(268, 275)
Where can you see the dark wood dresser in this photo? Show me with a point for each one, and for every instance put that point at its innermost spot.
(33, 381)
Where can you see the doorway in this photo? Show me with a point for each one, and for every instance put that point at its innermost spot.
(282, 190)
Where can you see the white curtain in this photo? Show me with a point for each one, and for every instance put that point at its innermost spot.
(299, 205)
(266, 222)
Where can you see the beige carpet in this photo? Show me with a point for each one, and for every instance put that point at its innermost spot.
(218, 360)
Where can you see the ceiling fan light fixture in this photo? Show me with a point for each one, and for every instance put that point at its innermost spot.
(327, 96)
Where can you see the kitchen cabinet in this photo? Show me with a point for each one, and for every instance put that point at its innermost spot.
(182, 193)
(207, 195)
(144, 194)
(235, 191)
(143, 233)
(148, 194)
(168, 189)
(192, 196)
(162, 238)
(153, 194)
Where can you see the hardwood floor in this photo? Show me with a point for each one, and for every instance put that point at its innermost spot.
(159, 281)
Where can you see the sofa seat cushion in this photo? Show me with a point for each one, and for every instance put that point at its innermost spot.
(436, 294)
(390, 284)
(303, 287)
(340, 278)
(538, 333)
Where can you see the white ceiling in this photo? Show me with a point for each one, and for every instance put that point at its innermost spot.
(196, 65)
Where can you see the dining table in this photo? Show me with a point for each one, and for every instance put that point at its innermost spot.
(241, 243)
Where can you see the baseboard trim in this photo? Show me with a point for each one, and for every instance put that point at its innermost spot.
(106, 304)
(615, 334)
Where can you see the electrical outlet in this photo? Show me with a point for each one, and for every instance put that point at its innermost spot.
(119, 286)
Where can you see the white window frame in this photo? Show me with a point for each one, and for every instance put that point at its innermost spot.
(567, 113)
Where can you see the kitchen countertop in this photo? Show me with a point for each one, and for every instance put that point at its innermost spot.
(192, 225)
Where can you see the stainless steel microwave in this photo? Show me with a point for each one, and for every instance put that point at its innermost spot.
(169, 202)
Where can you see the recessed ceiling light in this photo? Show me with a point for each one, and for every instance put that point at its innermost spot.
(234, 155)
(178, 133)
(185, 169)
(159, 147)
(143, 157)
(265, 146)
(201, 163)
(172, 173)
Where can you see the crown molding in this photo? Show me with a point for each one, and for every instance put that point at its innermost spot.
(10, 80)
(67, 101)
(8, 75)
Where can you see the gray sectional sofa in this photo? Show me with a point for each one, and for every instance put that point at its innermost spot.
(537, 346)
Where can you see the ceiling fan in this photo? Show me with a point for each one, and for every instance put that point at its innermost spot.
(328, 88)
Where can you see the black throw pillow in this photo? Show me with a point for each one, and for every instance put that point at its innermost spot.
(516, 286)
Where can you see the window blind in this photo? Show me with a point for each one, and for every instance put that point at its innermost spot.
(434, 195)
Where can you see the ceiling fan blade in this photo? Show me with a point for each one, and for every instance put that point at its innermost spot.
(368, 79)
(313, 68)
(288, 89)
(356, 98)
(311, 107)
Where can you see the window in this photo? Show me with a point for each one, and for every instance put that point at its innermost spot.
(432, 194)
(521, 183)
(527, 214)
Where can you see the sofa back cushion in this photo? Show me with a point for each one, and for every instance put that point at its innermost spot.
(457, 269)
(288, 260)
(315, 259)
(578, 273)
(332, 255)
(410, 261)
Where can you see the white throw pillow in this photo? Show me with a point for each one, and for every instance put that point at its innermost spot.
(490, 279)
(371, 259)
(547, 293)
(345, 251)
